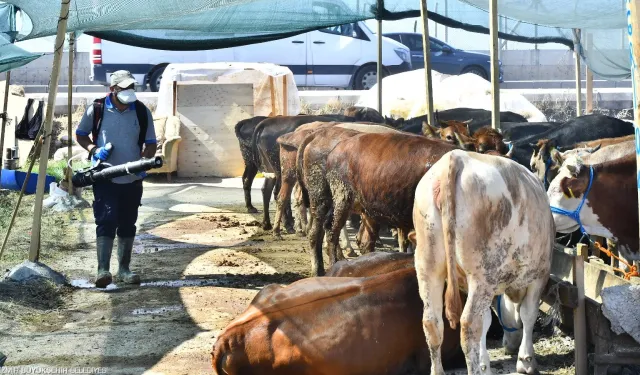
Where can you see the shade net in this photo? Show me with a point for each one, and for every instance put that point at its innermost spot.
(11, 57)
(212, 24)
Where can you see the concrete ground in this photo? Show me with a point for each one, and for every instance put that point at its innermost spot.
(202, 259)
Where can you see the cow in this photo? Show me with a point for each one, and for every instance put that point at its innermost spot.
(579, 129)
(378, 173)
(370, 264)
(491, 217)
(366, 114)
(267, 154)
(604, 197)
(547, 160)
(311, 174)
(598, 143)
(514, 131)
(483, 140)
(476, 118)
(331, 325)
(244, 131)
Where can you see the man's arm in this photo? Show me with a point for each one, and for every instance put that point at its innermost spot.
(149, 150)
(84, 129)
(85, 142)
(150, 142)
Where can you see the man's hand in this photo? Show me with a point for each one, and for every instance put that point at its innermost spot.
(101, 153)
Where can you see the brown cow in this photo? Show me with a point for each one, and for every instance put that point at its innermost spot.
(376, 263)
(487, 139)
(331, 325)
(610, 207)
(599, 142)
(379, 172)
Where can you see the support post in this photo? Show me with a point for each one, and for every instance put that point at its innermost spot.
(5, 109)
(576, 54)
(72, 39)
(633, 32)
(495, 69)
(589, 79)
(379, 71)
(285, 97)
(579, 313)
(34, 250)
(426, 50)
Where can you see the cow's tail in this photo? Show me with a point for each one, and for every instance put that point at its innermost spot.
(448, 186)
(299, 174)
(254, 142)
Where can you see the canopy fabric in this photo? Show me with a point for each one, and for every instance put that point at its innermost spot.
(11, 57)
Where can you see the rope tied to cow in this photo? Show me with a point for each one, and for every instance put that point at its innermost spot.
(633, 270)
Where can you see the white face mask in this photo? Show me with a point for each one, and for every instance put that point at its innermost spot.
(127, 96)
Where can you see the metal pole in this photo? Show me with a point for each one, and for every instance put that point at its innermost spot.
(5, 108)
(426, 50)
(379, 72)
(576, 54)
(446, 28)
(72, 39)
(34, 250)
(633, 30)
(495, 70)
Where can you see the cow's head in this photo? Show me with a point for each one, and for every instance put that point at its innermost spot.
(449, 128)
(488, 139)
(364, 114)
(545, 160)
(394, 123)
(465, 142)
(430, 131)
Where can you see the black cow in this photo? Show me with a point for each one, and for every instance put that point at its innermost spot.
(244, 132)
(478, 117)
(579, 129)
(266, 151)
(514, 131)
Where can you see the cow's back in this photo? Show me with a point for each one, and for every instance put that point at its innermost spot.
(376, 263)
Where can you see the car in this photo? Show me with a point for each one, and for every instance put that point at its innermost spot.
(445, 58)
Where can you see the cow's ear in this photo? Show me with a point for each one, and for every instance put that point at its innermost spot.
(556, 157)
(572, 187)
(412, 238)
(429, 131)
(443, 124)
(573, 170)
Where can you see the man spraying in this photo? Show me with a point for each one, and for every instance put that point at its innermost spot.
(121, 129)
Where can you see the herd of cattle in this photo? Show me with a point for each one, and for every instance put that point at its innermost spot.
(471, 202)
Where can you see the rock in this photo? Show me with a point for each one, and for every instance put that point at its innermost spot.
(29, 270)
(621, 305)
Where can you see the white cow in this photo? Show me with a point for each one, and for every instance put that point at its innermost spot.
(485, 220)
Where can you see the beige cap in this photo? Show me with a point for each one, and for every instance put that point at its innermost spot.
(122, 78)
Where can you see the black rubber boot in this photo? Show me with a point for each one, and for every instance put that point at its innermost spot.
(104, 246)
(125, 248)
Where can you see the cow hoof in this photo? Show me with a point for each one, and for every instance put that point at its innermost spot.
(527, 366)
(267, 227)
(277, 236)
(352, 254)
(301, 234)
(291, 230)
(252, 210)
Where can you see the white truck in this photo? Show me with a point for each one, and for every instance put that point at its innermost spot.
(342, 56)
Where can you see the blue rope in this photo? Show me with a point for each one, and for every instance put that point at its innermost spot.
(499, 310)
(575, 214)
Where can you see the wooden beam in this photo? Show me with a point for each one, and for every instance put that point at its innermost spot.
(426, 50)
(589, 79)
(34, 250)
(579, 313)
(576, 54)
(272, 85)
(5, 114)
(285, 97)
(379, 67)
(175, 98)
(495, 69)
(72, 39)
(633, 32)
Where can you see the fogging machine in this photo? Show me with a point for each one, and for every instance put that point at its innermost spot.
(104, 171)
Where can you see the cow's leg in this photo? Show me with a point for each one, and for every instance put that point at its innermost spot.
(284, 200)
(403, 239)
(372, 228)
(528, 314)
(431, 287)
(288, 214)
(342, 203)
(301, 210)
(345, 234)
(471, 327)
(267, 188)
(250, 171)
(485, 359)
(316, 235)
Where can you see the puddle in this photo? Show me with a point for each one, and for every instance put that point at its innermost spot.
(85, 284)
(158, 311)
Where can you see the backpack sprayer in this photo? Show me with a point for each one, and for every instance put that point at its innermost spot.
(104, 171)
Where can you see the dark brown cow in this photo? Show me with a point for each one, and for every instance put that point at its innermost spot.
(331, 325)
(379, 172)
(488, 139)
(610, 207)
(244, 131)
